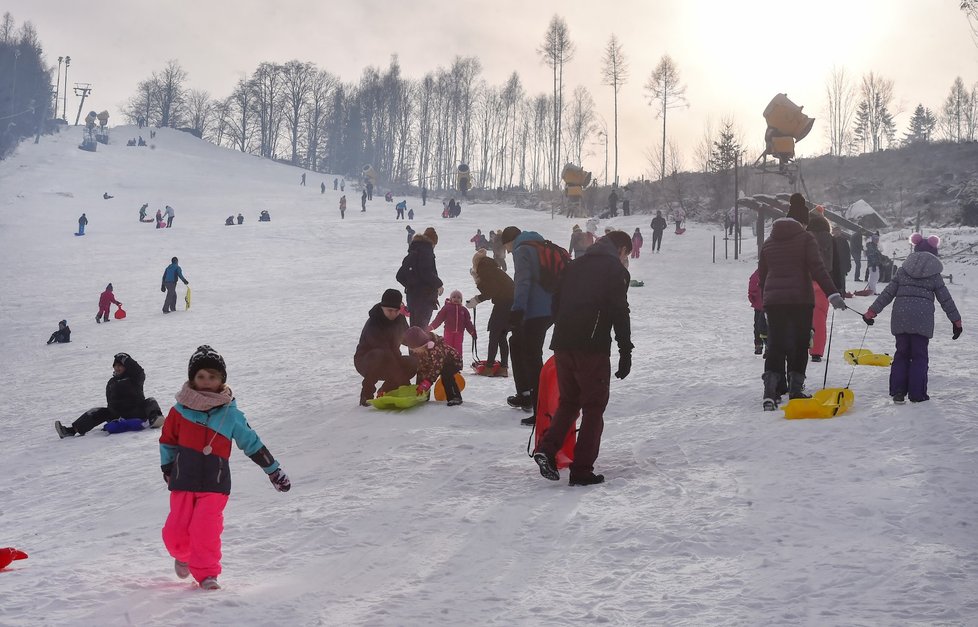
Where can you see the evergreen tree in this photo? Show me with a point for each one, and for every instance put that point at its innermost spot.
(725, 150)
(921, 126)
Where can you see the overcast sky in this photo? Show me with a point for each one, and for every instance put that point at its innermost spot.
(733, 56)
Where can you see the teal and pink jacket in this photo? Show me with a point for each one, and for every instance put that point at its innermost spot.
(195, 445)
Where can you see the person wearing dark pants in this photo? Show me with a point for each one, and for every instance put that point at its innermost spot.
(658, 226)
(493, 284)
(419, 276)
(526, 352)
(378, 356)
(856, 250)
(170, 276)
(586, 313)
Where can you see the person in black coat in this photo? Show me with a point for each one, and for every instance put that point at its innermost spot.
(419, 276)
(124, 399)
(843, 260)
(591, 300)
(495, 285)
(378, 356)
(62, 335)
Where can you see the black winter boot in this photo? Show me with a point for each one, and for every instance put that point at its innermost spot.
(771, 396)
(796, 385)
(366, 393)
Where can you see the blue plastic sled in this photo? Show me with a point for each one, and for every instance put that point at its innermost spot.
(404, 397)
(121, 425)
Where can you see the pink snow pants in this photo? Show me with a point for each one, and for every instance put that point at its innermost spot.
(819, 315)
(454, 339)
(192, 532)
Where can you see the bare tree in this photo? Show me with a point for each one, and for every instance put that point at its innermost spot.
(169, 89)
(557, 49)
(320, 89)
(141, 105)
(873, 117)
(841, 96)
(703, 152)
(970, 8)
(614, 73)
(266, 83)
(955, 111)
(199, 110)
(581, 123)
(664, 87)
(240, 120)
(297, 78)
(7, 26)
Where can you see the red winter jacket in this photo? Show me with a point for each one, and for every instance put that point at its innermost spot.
(754, 292)
(788, 263)
(105, 299)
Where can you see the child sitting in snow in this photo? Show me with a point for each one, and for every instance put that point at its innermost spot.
(457, 320)
(194, 449)
(62, 335)
(916, 284)
(435, 358)
(105, 300)
(126, 407)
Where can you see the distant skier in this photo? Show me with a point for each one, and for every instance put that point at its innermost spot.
(240, 219)
(82, 221)
(169, 285)
(169, 216)
(342, 206)
(302, 181)
(105, 300)
(62, 335)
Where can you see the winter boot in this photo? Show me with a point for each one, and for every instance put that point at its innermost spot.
(548, 466)
(899, 399)
(816, 358)
(181, 569)
(771, 396)
(586, 479)
(366, 393)
(63, 431)
(98, 318)
(796, 386)
(210, 583)
(758, 348)
(455, 400)
(529, 422)
(518, 400)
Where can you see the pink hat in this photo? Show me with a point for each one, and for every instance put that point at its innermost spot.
(922, 245)
(455, 294)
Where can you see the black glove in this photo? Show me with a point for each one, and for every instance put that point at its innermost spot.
(624, 365)
(515, 319)
(957, 330)
(280, 480)
(162, 288)
(868, 321)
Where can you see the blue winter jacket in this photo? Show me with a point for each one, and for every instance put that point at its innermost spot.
(529, 296)
(172, 273)
(913, 290)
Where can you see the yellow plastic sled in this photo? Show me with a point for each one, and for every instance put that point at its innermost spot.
(866, 357)
(826, 403)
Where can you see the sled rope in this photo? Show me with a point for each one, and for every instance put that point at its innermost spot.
(828, 352)
(475, 345)
(856, 361)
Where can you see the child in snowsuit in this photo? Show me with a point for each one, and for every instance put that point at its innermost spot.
(159, 219)
(125, 402)
(637, 242)
(457, 320)
(195, 447)
(435, 358)
(493, 284)
(105, 300)
(913, 290)
(62, 335)
(760, 322)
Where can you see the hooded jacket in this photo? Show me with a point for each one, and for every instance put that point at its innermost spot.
(105, 299)
(788, 263)
(456, 318)
(418, 273)
(529, 296)
(124, 392)
(591, 299)
(913, 290)
(381, 333)
(493, 283)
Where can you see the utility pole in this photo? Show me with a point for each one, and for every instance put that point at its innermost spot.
(57, 90)
(82, 89)
(64, 110)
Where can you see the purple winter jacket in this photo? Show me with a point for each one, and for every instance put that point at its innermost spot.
(788, 263)
(913, 290)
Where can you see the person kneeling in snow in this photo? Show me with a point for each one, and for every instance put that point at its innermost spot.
(127, 409)
(378, 356)
(62, 335)
(435, 358)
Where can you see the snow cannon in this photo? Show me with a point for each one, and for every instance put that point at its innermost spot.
(103, 119)
(786, 124)
(463, 178)
(575, 180)
(9, 554)
(369, 174)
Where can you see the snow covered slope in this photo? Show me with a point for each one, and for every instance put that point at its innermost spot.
(714, 511)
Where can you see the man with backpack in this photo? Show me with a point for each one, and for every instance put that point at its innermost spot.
(591, 300)
(419, 276)
(537, 265)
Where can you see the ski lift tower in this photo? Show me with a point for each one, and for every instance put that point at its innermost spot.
(82, 89)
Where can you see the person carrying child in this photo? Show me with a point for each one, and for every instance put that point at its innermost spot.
(913, 290)
(126, 405)
(496, 285)
(195, 448)
(435, 358)
(62, 335)
(105, 301)
(457, 321)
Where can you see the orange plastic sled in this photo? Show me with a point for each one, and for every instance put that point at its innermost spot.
(440, 387)
(548, 397)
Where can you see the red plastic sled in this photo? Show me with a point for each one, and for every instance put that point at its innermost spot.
(120, 313)
(10, 554)
(680, 231)
(548, 397)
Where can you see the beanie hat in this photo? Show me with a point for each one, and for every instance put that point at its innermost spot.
(206, 357)
(922, 245)
(456, 294)
(415, 337)
(431, 235)
(121, 359)
(109, 287)
(820, 209)
(509, 234)
(174, 260)
(391, 298)
(797, 209)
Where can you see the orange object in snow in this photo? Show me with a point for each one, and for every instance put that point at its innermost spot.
(120, 313)
(440, 387)
(10, 554)
(548, 397)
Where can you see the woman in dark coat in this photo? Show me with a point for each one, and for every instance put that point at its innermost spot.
(419, 276)
(495, 285)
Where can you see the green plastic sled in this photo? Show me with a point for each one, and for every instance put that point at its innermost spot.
(636, 283)
(403, 397)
